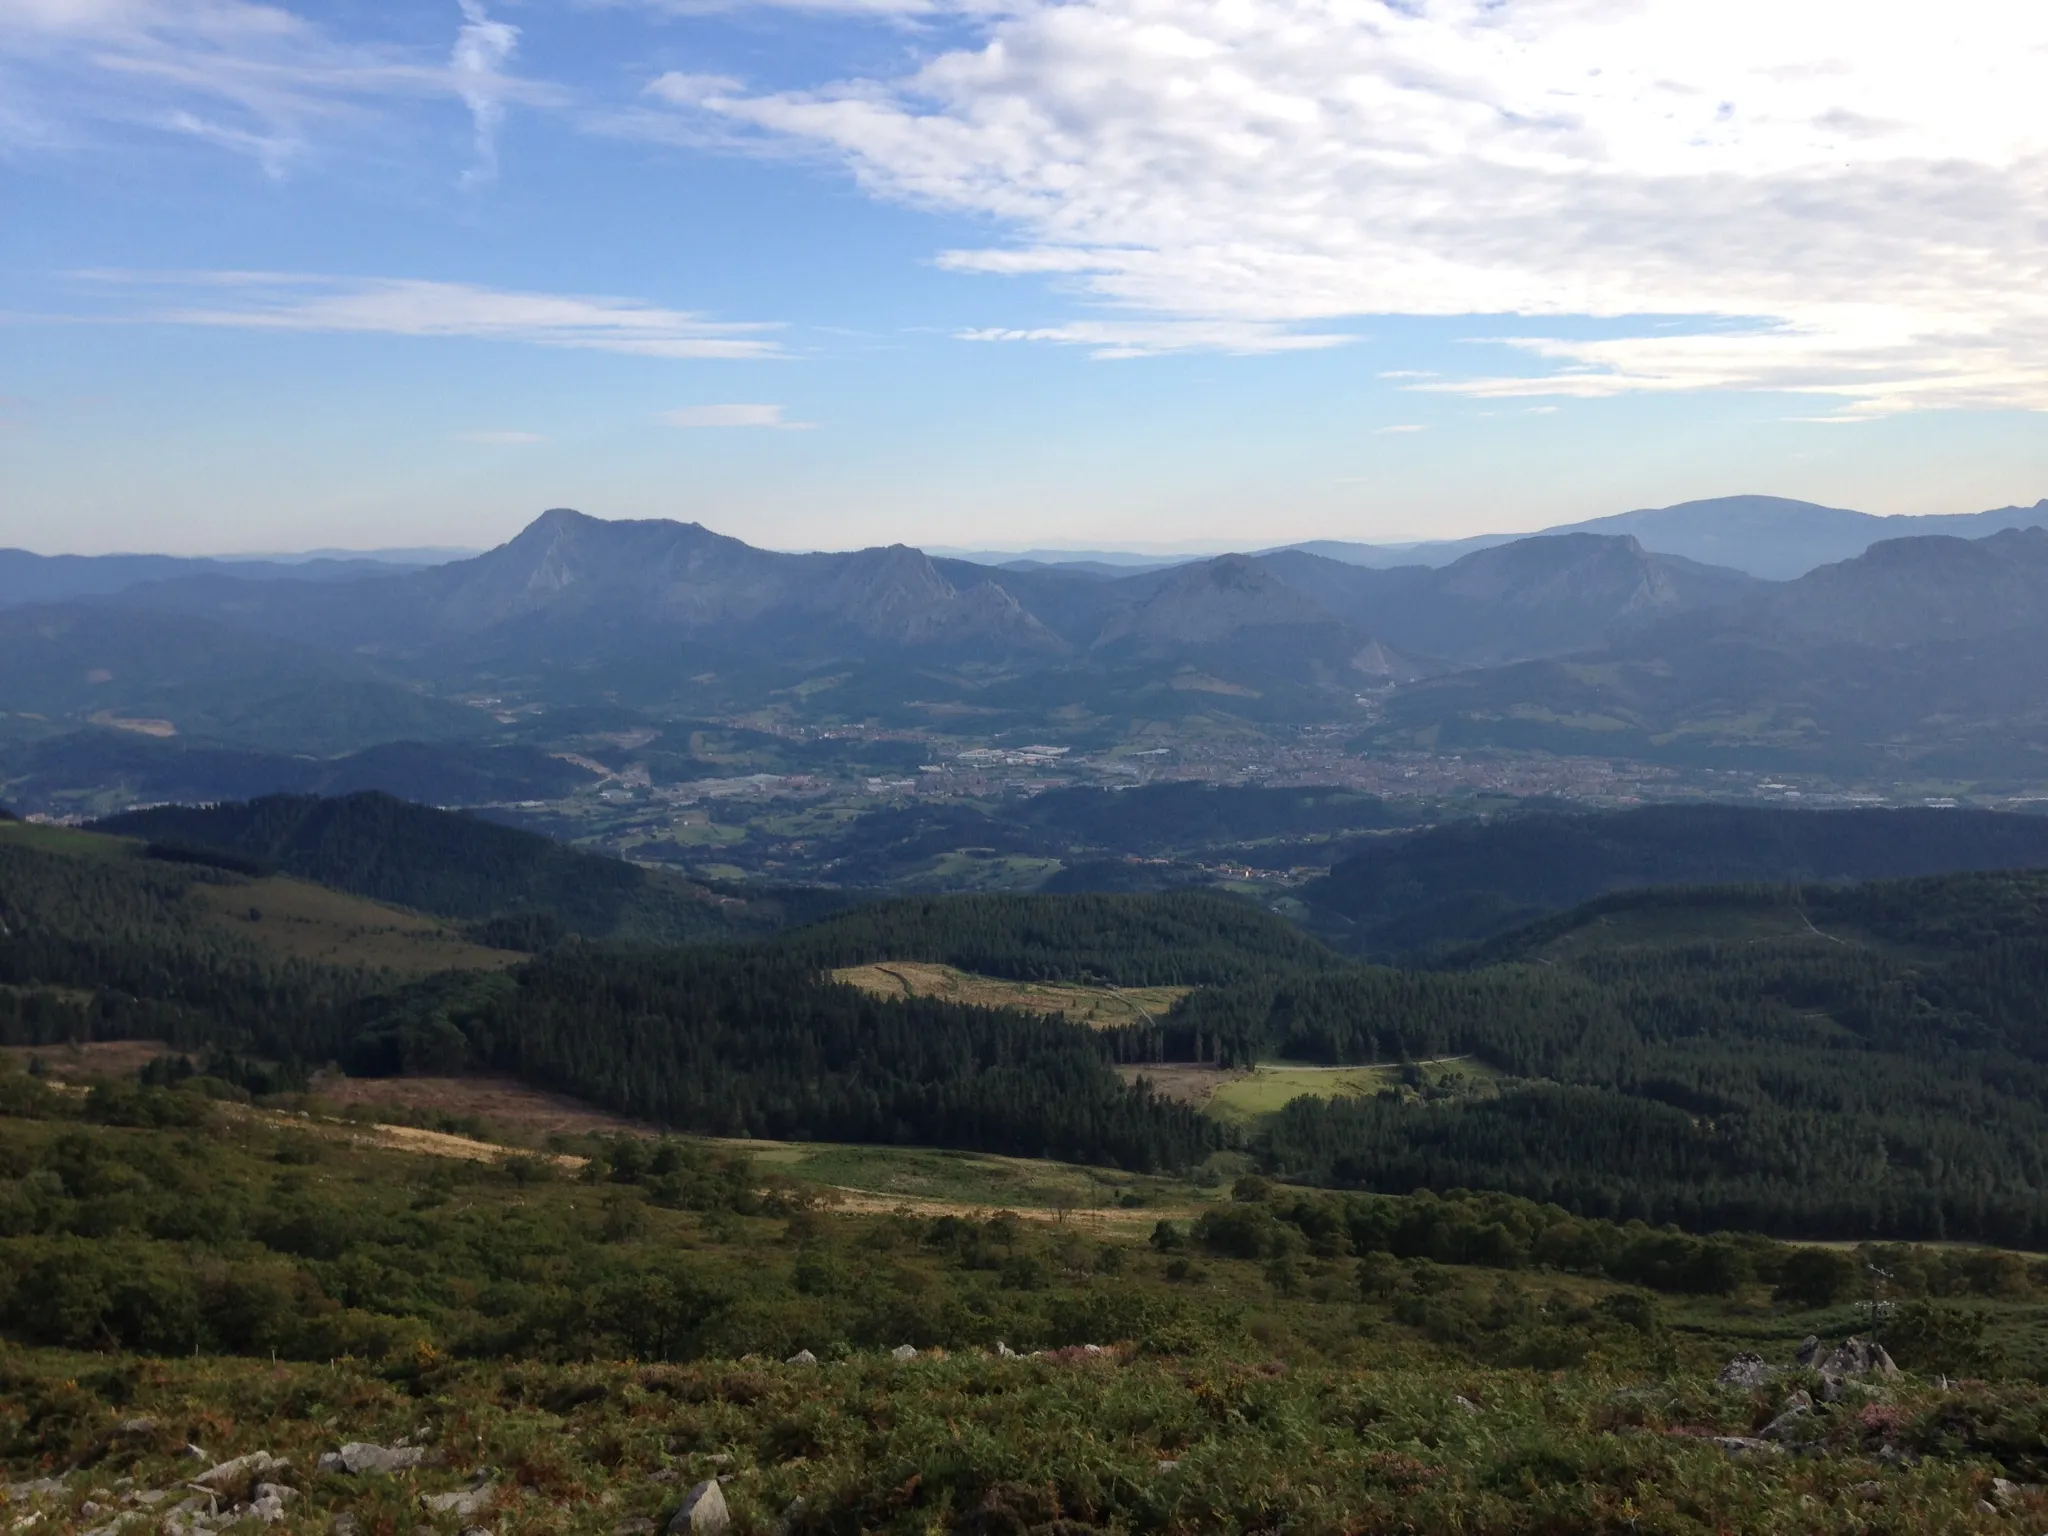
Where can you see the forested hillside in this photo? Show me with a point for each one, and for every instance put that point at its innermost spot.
(1185, 938)
(1410, 894)
(1825, 1061)
(1820, 1060)
(525, 890)
(99, 941)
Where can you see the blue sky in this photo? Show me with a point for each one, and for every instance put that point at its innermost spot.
(1131, 273)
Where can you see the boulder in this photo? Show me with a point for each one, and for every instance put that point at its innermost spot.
(254, 1465)
(1791, 1419)
(703, 1512)
(359, 1458)
(802, 1357)
(1853, 1357)
(904, 1352)
(1747, 1373)
(1004, 1352)
(463, 1502)
(2005, 1492)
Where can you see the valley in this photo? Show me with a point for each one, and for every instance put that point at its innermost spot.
(1060, 1001)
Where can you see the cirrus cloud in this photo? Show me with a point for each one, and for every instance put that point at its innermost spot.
(734, 416)
(1830, 198)
(274, 301)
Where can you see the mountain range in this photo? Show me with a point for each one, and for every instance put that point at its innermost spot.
(1773, 537)
(1918, 657)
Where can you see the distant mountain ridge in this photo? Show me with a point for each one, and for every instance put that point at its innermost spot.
(1772, 537)
(573, 588)
(1922, 655)
(33, 578)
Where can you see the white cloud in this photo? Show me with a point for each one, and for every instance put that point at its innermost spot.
(1149, 338)
(1833, 196)
(1400, 427)
(482, 49)
(733, 416)
(267, 301)
(254, 78)
(501, 437)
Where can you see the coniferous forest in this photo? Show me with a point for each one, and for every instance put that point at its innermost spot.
(1833, 1061)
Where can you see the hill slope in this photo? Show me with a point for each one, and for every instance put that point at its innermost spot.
(528, 887)
(1408, 892)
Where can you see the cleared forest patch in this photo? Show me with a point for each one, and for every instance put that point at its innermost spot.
(1097, 1007)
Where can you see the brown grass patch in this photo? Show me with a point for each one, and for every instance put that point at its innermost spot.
(1098, 1007)
(97, 1058)
(1181, 1081)
(526, 1114)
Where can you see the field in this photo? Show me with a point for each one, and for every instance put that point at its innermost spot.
(1267, 1088)
(504, 1109)
(983, 1182)
(497, 1113)
(302, 921)
(1242, 1095)
(1099, 1007)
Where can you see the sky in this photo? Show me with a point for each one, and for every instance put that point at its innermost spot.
(1136, 274)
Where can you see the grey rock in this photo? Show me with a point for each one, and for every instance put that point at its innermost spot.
(1746, 1372)
(1789, 1424)
(904, 1352)
(1467, 1404)
(791, 1513)
(137, 1427)
(342, 1525)
(36, 1488)
(1004, 1352)
(1167, 1466)
(148, 1497)
(1986, 1507)
(475, 1530)
(703, 1512)
(91, 1508)
(802, 1357)
(1809, 1347)
(720, 1458)
(1745, 1445)
(360, 1457)
(463, 1502)
(1870, 1491)
(255, 1464)
(1853, 1357)
(269, 1509)
(2005, 1492)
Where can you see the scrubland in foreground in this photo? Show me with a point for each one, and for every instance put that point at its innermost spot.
(570, 1347)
